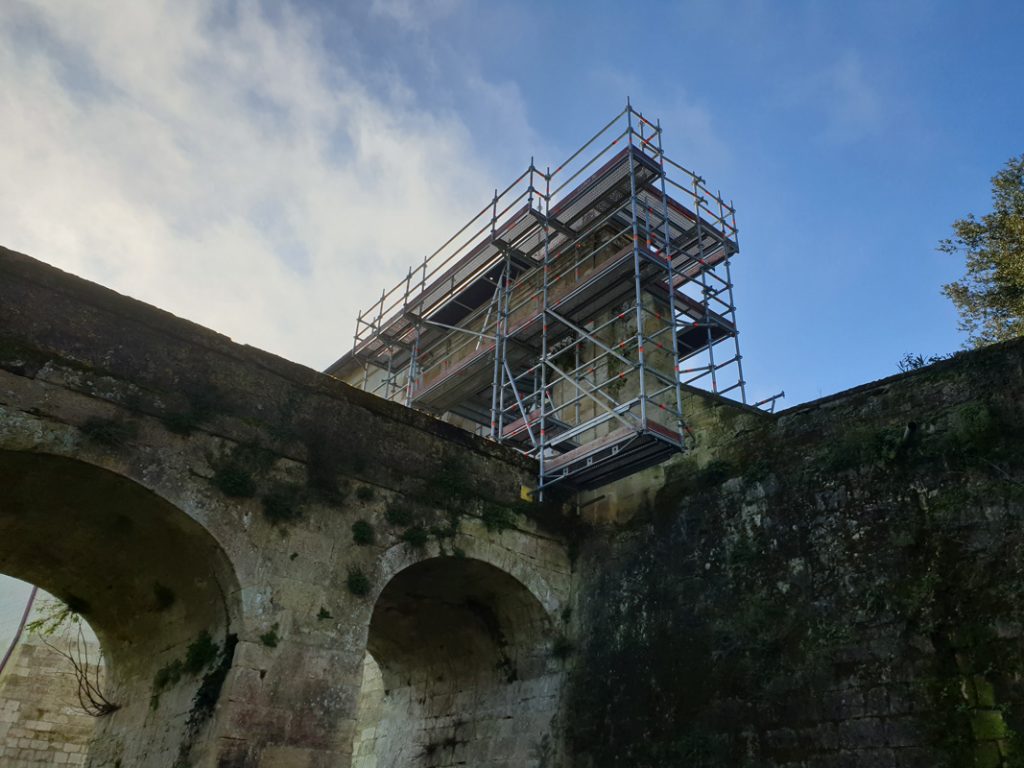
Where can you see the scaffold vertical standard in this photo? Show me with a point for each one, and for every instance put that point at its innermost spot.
(567, 317)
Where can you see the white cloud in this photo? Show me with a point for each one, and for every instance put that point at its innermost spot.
(229, 168)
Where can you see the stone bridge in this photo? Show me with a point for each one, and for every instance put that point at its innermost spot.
(282, 570)
(285, 571)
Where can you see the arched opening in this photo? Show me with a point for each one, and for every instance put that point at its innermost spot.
(458, 671)
(151, 582)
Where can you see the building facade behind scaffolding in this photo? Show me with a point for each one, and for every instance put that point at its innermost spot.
(568, 315)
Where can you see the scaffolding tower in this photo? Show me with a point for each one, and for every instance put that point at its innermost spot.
(567, 317)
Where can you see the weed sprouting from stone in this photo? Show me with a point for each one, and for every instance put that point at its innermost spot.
(415, 536)
(365, 493)
(270, 638)
(324, 614)
(497, 518)
(363, 533)
(282, 504)
(358, 582)
(234, 481)
(112, 433)
(201, 653)
(169, 674)
(398, 514)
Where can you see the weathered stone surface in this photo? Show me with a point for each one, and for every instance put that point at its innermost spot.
(174, 486)
(838, 585)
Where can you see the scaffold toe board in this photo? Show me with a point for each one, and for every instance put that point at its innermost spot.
(566, 316)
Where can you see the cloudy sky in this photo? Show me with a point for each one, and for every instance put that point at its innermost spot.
(265, 170)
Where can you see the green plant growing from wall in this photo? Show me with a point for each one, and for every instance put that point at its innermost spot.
(112, 433)
(363, 533)
(358, 582)
(415, 536)
(61, 629)
(200, 654)
(234, 472)
(399, 514)
(282, 504)
(497, 518)
(990, 296)
(270, 637)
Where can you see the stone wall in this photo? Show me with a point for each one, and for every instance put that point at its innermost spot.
(840, 586)
(228, 521)
(42, 722)
(287, 572)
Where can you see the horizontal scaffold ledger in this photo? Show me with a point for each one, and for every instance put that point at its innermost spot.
(569, 315)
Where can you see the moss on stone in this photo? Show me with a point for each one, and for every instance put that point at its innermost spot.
(270, 638)
(111, 433)
(357, 581)
(363, 533)
(282, 504)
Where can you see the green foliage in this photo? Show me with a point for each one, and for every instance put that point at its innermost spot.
(55, 616)
(202, 405)
(972, 427)
(169, 674)
(358, 582)
(990, 297)
(233, 474)
(112, 433)
(399, 514)
(911, 361)
(282, 504)
(324, 614)
(363, 533)
(365, 493)
(415, 536)
(497, 518)
(270, 638)
(206, 697)
(449, 485)
(201, 653)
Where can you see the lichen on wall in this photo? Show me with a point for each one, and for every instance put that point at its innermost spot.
(839, 586)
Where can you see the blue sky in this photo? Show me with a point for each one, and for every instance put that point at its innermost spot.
(265, 170)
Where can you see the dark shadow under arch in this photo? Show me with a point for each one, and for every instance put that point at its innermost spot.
(459, 670)
(152, 582)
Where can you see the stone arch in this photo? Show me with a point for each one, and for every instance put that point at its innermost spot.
(458, 671)
(154, 584)
(399, 557)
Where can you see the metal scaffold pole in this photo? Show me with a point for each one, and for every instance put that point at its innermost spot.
(673, 317)
(541, 323)
(638, 288)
